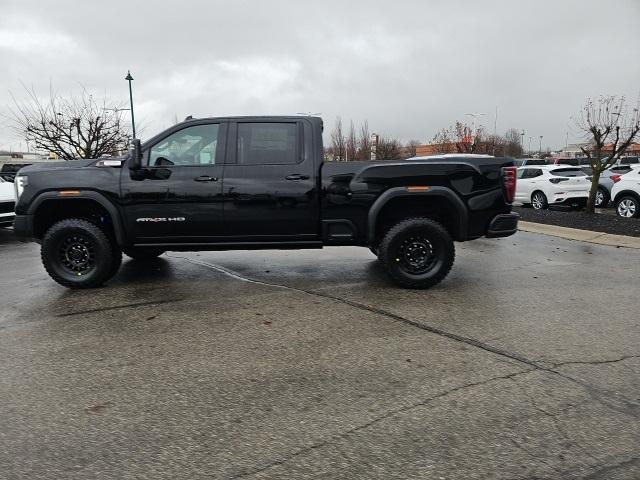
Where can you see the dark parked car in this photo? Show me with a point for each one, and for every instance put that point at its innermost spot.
(258, 183)
(524, 162)
(9, 170)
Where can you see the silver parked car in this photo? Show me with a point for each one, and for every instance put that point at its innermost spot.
(605, 184)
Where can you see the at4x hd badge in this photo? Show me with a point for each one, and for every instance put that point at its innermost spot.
(161, 219)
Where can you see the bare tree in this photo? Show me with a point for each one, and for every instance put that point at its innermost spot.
(512, 143)
(364, 142)
(460, 138)
(443, 137)
(492, 144)
(466, 140)
(606, 122)
(351, 144)
(411, 147)
(70, 127)
(337, 141)
(388, 148)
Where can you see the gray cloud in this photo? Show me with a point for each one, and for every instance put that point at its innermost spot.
(409, 67)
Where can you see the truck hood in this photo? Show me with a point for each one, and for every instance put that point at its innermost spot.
(46, 166)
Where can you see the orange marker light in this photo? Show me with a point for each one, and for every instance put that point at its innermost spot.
(418, 188)
(68, 193)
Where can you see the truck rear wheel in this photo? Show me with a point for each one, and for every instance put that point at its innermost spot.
(78, 254)
(417, 252)
(142, 253)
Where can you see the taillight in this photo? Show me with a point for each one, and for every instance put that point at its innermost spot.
(615, 178)
(509, 182)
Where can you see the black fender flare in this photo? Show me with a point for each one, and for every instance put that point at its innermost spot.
(118, 226)
(442, 192)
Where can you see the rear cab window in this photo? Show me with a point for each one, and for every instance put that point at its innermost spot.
(268, 143)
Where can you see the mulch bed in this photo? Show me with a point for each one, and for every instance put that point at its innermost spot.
(598, 222)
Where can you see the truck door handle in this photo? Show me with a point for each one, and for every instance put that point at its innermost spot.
(206, 178)
(297, 176)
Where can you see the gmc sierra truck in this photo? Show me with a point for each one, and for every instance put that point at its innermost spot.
(258, 183)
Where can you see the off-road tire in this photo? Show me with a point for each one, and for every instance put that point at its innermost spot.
(73, 236)
(142, 253)
(419, 235)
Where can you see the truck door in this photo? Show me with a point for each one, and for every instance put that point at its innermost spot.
(270, 191)
(177, 196)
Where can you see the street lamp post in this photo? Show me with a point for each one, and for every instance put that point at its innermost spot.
(540, 152)
(473, 132)
(129, 79)
(522, 141)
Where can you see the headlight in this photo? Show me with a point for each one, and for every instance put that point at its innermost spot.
(20, 181)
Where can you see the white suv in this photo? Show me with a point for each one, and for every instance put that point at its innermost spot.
(626, 194)
(7, 203)
(544, 185)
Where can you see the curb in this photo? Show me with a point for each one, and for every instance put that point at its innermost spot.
(581, 235)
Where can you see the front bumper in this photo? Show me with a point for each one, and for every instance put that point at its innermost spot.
(503, 225)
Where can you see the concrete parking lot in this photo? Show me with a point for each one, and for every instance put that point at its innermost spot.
(524, 363)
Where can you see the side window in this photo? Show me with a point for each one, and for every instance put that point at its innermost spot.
(196, 145)
(521, 173)
(267, 143)
(536, 173)
(620, 169)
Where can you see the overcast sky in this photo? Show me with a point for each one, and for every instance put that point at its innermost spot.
(410, 67)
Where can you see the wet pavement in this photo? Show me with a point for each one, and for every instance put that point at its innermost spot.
(524, 363)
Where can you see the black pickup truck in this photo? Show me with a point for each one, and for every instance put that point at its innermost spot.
(258, 183)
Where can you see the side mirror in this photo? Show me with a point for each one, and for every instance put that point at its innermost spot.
(136, 155)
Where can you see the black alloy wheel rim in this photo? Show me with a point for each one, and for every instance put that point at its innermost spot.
(77, 254)
(416, 255)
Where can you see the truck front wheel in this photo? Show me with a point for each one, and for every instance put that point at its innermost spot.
(78, 254)
(417, 252)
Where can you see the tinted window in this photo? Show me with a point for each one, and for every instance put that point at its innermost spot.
(196, 145)
(531, 173)
(629, 160)
(620, 169)
(568, 161)
(587, 170)
(13, 167)
(267, 143)
(567, 172)
(536, 161)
